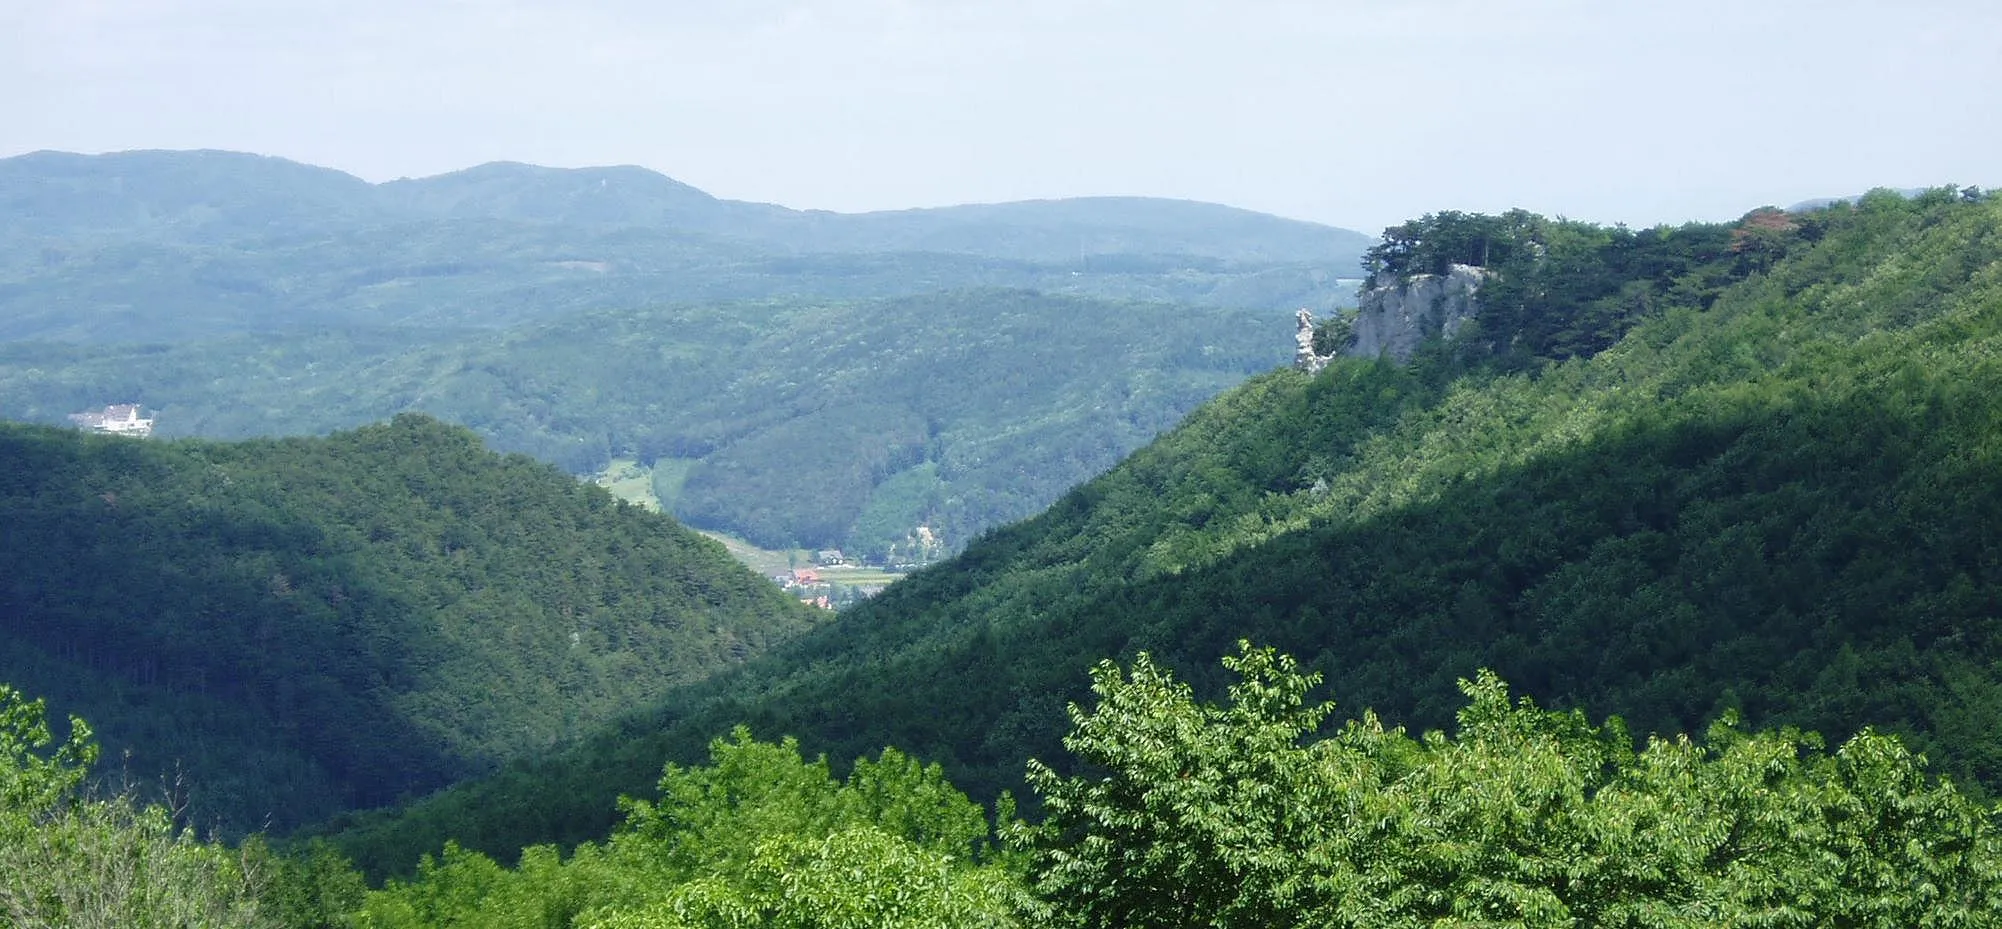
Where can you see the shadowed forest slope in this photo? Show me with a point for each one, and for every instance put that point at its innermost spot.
(1773, 492)
(297, 627)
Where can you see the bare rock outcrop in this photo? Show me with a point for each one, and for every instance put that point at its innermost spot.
(1305, 358)
(1394, 318)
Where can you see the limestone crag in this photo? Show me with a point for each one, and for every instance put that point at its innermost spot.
(1305, 358)
(1394, 318)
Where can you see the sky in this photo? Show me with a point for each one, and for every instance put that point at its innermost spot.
(1357, 113)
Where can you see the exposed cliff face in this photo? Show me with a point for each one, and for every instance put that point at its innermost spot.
(1305, 356)
(1395, 317)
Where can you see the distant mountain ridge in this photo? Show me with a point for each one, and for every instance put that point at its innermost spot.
(204, 194)
(248, 295)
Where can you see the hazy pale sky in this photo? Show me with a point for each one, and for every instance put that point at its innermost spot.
(1358, 113)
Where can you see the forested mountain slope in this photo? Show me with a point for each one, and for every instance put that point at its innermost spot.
(1773, 491)
(806, 371)
(297, 627)
(830, 424)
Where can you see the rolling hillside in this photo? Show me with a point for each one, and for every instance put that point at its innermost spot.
(1774, 493)
(811, 372)
(828, 424)
(292, 628)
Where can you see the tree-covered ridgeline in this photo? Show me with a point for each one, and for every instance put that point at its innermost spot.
(1556, 289)
(223, 212)
(1775, 501)
(790, 422)
(304, 626)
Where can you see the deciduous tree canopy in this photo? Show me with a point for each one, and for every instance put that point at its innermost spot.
(1241, 814)
(306, 626)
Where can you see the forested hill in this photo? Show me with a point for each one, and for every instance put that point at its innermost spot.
(297, 627)
(1772, 489)
(829, 424)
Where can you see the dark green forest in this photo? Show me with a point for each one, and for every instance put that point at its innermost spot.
(1593, 575)
(291, 628)
(1775, 501)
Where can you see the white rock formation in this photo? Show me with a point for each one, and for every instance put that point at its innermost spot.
(1394, 318)
(1304, 356)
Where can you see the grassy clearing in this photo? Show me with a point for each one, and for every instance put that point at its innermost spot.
(669, 474)
(633, 482)
(771, 561)
(856, 576)
(630, 481)
(765, 561)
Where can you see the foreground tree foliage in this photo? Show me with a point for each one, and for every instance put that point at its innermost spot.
(1236, 815)
(70, 860)
(1245, 814)
(1251, 813)
(761, 837)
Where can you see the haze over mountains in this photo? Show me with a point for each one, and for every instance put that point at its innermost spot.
(274, 244)
(214, 195)
(1738, 471)
(801, 378)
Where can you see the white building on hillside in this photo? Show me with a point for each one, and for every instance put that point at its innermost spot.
(117, 419)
